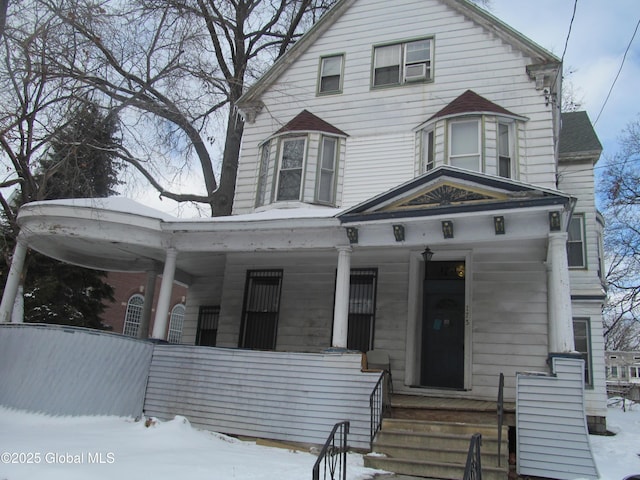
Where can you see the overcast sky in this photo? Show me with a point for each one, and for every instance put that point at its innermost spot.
(600, 34)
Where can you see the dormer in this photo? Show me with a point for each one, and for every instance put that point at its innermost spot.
(300, 164)
(472, 133)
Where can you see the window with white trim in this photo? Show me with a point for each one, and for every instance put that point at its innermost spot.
(582, 340)
(464, 144)
(634, 372)
(575, 242)
(331, 74)
(428, 150)
(614, 371)
(291, 168)
(401, 63)
(505, 150)
(263, 175)
(133, 315)
(327, 169)
(176, 322)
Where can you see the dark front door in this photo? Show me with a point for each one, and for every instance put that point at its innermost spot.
(443, 318)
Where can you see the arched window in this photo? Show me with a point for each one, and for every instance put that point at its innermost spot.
(134, 315)
(175, 324)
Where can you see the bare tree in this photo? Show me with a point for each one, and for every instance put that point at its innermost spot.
(181, 65)
(620, 189)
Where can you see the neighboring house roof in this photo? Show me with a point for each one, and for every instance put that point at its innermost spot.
(447, 190)
(306, 121)
(471, 102)
(250, 99)
(578, 139)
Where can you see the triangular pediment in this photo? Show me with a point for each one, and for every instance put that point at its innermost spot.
(448, 190)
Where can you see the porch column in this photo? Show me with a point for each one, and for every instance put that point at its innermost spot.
(341, 305)
(13, 282)
(149, 293)
(164, 298)
(559, 295)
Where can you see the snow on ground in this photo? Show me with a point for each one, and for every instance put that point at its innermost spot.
(39, 447)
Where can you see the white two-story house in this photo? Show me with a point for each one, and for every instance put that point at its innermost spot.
(407, 183)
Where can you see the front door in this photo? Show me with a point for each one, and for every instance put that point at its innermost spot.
(443, 325)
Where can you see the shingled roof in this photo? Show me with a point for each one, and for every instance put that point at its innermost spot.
(577, 136)
(471, 102)
(306, 121)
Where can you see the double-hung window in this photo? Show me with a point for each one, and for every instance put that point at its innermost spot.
(505, 149)
(582, 340)
(428, 150)
(464, 144)
(402, 62)
(327, 169)
(263, 175)
(133, 315)
(575, 242)
(291, 168)
(331, 74)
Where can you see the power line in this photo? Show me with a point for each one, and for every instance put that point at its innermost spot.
(573, 16)
(618, 74)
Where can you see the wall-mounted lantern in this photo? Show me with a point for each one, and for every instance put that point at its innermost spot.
(398, 233)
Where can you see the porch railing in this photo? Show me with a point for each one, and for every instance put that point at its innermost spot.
(500, 413)
(332, 459)
(473, 468)
(376, 404)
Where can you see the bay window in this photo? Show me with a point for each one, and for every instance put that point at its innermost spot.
(464, 144)
(291, 167)
(327, 169)
(505, 147)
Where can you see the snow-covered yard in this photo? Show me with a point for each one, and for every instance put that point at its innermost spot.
(39, 447)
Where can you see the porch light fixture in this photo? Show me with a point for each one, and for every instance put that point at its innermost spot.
(352, 234)
(447, 228)
(554, 221)
(398, 232)
(498, 225)
(427, 254)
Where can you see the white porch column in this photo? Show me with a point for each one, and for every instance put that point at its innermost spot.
(164, 298)
(341, 305)
(559, 295)
(149, 294)
(13, 281)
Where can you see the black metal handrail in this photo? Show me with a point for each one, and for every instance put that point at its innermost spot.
(333, 456)
(500, 413)
(473, 468)
(376, 405)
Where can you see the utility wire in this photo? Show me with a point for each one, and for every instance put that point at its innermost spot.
(573, 16)
(618, 74)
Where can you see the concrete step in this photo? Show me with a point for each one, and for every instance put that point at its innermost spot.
(440, 470)
(486, 430)
(437, 440)
(441, 455)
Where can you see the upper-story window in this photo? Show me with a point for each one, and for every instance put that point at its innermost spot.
(291, 166)
(428, 150)
(263, 174)
(327, 170)
(575, 243)
(400, 63)
(505, 150)
(331, 74)
(464, 144)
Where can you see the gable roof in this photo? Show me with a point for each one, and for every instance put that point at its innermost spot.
(465, 7)
(306, 121)
(447, 190)
(471, 102)
(578, 139)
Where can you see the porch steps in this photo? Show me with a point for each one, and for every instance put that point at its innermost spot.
(435, 449)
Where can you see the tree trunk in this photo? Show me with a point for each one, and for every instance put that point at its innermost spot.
(223, 198)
